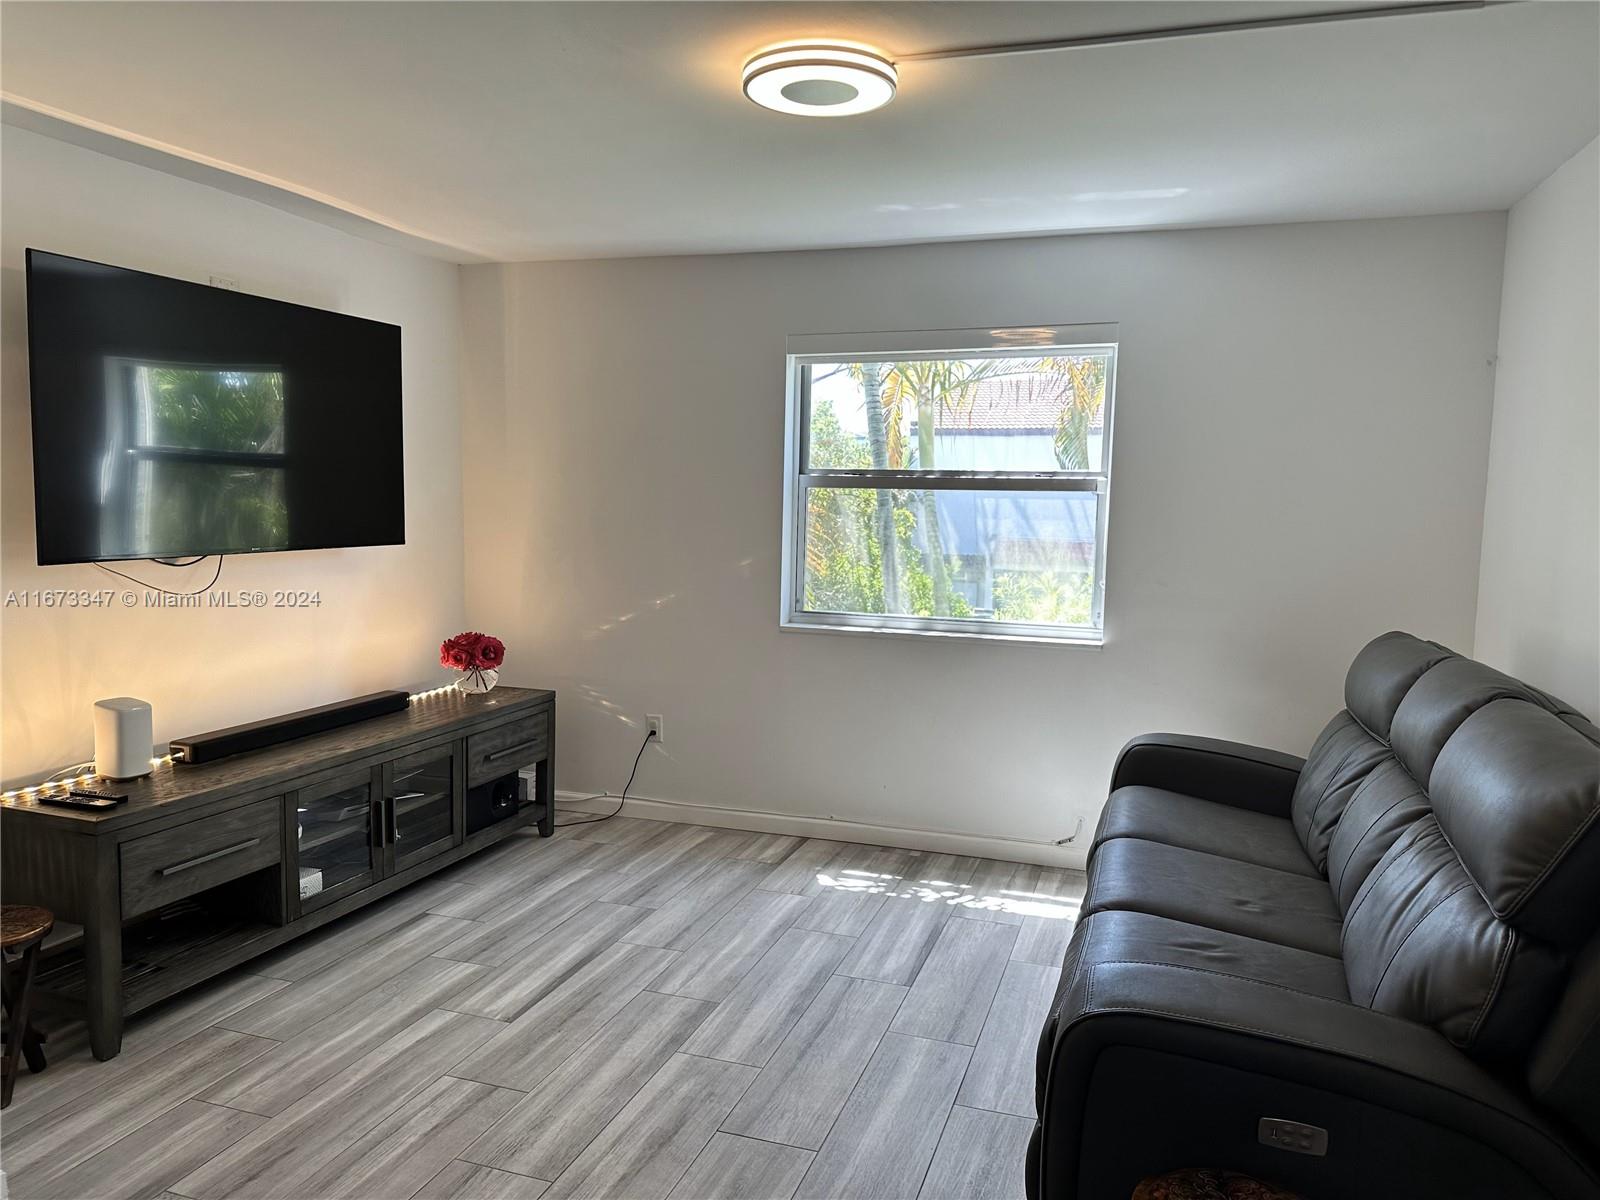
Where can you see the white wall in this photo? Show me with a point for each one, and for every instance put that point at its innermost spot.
(1539, 589)
(1303, 424)
(383, 609)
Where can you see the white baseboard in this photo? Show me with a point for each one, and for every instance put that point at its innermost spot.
(756, 821)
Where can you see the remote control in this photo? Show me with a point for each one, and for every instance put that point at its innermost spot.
(93, 799)
(98, 793)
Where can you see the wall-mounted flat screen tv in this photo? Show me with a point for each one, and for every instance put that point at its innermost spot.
(174, 419)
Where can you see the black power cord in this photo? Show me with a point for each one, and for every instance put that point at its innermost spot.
(167, 563)
(623, 799)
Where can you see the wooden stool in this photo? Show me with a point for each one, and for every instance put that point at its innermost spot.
(22, 930)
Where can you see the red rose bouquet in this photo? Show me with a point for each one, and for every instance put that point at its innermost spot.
(477, 656)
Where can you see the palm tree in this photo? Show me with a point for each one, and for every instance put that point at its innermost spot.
(870, 376)
(1084, 389)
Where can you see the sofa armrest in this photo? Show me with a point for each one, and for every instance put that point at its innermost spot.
(1406, 1112)
(1227, 772)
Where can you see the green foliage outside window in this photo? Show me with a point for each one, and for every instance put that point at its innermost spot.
(1046, 598)
(201, 408)
(844, 555)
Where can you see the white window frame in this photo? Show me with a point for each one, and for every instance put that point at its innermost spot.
(1029, 341)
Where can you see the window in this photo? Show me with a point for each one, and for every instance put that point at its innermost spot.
(950, 483)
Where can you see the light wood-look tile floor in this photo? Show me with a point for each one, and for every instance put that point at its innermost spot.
(630, 1010)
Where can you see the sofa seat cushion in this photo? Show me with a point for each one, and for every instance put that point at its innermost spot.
(1174, 819)
(1125, 936)
(1131, 874)
(1136, 937)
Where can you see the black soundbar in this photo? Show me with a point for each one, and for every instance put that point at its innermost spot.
(258, 735)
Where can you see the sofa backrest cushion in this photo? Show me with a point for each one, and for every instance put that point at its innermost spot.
(1357, 740)
(1461, 812)
(1517, 791)
(1437, 704)
(1383, 673)
(1419, 942)
(1385, 804)
(1342, 756)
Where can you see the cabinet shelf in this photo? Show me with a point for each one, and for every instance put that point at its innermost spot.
(334, 833)
(160, 957)
(410, 803)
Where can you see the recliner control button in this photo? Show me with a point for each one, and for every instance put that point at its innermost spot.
(1292, 1136)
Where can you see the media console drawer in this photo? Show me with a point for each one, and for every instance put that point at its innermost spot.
(162, 867)
(494, 752)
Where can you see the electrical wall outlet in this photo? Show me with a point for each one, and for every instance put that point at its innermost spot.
(652, 723)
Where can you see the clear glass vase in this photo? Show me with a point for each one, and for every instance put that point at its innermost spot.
(478, 680)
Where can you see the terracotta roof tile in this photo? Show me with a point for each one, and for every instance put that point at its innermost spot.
(1017, 404)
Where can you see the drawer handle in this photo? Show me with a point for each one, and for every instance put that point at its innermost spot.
(519, 748)
(189, 864)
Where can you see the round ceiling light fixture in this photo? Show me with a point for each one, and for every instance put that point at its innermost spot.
(820, 79)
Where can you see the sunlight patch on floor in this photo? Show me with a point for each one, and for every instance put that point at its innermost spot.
(933, 891)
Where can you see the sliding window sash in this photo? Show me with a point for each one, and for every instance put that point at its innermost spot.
(957, 481)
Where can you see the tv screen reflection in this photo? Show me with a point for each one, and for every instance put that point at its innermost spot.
(193, 456)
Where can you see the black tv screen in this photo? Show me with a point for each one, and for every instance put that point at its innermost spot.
(173, 419)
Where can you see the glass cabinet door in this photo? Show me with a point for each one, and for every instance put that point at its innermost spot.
(420, 793)
(339, 841)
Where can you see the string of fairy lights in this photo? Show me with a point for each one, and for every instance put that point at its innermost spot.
(53, 786)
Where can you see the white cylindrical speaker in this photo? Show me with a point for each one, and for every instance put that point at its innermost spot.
(124, 735)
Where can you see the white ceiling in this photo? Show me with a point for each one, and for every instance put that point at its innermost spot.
(560, 130)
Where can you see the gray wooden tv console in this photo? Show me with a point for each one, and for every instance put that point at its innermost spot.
(207, 866)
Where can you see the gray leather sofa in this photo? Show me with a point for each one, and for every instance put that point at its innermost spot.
(1395, 942)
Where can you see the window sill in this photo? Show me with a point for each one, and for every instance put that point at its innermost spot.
(1080, 642)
